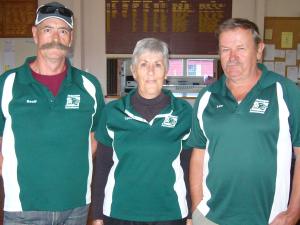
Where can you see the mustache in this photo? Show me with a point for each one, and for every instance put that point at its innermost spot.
(233, 63)
(55, 45)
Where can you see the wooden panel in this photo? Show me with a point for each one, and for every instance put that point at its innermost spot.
(17, 17)
(1, 19)
(187, 26)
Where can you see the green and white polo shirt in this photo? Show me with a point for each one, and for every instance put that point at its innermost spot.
(146, 181)
(248, 149)
(46, 140)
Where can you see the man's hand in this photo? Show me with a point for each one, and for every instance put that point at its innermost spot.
(284, 218)
(93, 144)
(189, 222)
(97, 222)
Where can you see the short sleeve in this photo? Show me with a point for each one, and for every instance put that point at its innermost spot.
(2, 118)
(188, 120)
(197, 138)
(101, 133)
(100, 105)
(293, 101)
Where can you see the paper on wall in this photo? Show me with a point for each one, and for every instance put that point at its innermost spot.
(287, 39)
(269, 52)
(290, 57)
(292, 73)
(279, 67)
(268, 34)
(279, 53)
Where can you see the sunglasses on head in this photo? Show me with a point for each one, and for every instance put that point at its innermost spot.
(47, 9)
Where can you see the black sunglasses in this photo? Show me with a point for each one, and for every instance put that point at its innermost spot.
(47, 9)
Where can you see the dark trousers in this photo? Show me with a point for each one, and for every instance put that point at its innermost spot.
(112, 221)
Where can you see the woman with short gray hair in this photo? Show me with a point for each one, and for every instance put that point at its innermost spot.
(145, 134)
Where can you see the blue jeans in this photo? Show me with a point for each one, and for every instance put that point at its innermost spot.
(77, 216)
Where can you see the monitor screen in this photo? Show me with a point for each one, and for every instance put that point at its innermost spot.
(200, 67)
(175, 67)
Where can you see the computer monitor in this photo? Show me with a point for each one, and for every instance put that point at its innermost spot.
(176, 67)
(201, 67)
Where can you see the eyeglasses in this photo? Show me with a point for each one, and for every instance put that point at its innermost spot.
(47, 9)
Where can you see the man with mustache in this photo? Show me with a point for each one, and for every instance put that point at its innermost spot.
(245, 128)
(49, 111)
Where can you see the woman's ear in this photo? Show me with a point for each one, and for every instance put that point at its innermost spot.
(133, 71)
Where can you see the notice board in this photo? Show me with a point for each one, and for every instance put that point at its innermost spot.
(17, 18)
(282, 51)
(188, 26)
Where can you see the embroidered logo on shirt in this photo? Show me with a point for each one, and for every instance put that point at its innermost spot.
(259, 106)
(72, 102)
(31, 101)
(170, 121)
(219, 106)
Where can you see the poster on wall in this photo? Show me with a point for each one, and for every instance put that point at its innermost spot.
(187, 26)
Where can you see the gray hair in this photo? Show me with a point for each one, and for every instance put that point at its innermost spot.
(245, 24)
(150, 45)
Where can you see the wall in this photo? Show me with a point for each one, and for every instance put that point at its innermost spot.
(23, 47)
(89, 45)
(94, 59)
(252, 10)
(288, 8)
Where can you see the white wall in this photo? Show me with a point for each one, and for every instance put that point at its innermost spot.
(280, 8)
(94, 58)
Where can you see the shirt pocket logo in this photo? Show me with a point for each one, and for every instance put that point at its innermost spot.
(260, 106)
(73, 102)
(170, 121)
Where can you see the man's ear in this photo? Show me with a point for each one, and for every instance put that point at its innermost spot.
(260, 50)
(34, 34)
(71, 38)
